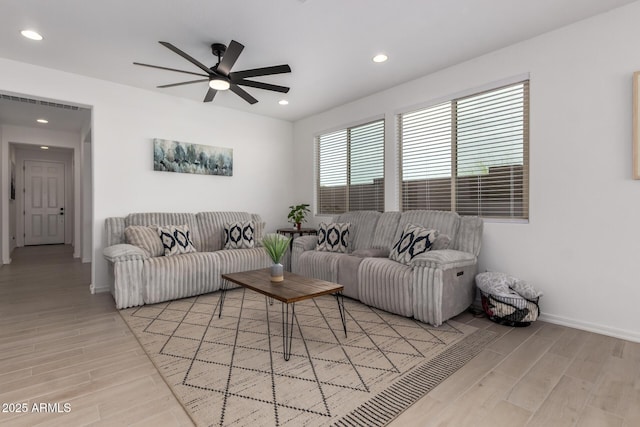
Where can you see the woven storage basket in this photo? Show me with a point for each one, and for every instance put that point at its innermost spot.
(510, 311)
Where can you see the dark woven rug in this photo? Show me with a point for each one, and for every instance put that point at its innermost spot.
(231, 371)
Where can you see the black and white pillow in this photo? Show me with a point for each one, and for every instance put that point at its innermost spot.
(176, 239)
(413, 241)
(333, 237)
(239, 235)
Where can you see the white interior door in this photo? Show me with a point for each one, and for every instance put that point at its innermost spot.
(43, 203)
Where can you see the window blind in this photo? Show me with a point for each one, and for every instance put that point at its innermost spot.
(350, 169)
(469, 155)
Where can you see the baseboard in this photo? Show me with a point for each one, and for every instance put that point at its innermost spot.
(624, 334)
(98, 289)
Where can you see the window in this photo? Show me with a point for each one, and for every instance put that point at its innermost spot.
(468, 155)
(350, 169)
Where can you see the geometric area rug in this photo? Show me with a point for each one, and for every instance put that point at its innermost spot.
(230, 371)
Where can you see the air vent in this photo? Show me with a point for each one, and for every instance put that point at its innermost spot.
(39, 102)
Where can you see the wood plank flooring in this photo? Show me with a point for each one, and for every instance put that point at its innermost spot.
(59, 344)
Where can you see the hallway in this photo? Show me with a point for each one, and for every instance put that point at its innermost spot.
(61, 345)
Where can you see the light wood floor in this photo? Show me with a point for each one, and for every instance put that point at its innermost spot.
(59, 344)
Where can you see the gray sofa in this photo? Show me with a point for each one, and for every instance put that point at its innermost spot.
(139, 278)
(434, 287)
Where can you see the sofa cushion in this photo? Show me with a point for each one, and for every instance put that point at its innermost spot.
(318, 264)
(348, 274)
(413, 241)
(146, 238)
(180, 276)
(333, 237)
(362, 228)
(386, 284)
(444, 221)
(371, 253)
(176, 239)
(239, 235)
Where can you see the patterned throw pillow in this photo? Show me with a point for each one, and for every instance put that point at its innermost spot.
(413, 241)
(176, 239)
(333, 237)
(145, 238)
(239, 235)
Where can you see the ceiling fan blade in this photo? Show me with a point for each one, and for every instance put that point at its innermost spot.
(242, 94)
(265, 86)
(183, 83)
(211, 93)
(276, 69)
(187, 57)
(230, 57)
(170, 69)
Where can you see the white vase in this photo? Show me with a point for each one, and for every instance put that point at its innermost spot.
(277, 273)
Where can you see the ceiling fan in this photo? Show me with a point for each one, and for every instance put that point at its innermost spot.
(220, 76)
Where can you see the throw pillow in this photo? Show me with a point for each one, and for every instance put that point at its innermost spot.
(145, 238)
(176, 239)
(414, 240)
(333, 237)
(442, 242)
(239, 235)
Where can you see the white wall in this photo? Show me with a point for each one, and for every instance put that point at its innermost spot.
(124, 122)
(581, 244)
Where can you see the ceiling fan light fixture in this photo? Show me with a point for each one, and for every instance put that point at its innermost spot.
(32, 35)
(219, 84)
(381, 57)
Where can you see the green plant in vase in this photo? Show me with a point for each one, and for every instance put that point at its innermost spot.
(298, 214)
(276, 246)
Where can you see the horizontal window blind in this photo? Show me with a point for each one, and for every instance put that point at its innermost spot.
(468, 155)
(350, 169)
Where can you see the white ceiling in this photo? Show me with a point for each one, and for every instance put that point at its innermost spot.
(328, 43)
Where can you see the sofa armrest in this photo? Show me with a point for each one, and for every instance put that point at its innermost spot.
(444, 259)
(124, 252)
(305, 243)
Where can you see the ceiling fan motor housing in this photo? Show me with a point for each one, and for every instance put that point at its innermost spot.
(218, 49)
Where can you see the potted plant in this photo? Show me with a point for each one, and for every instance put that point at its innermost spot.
(276, 246)
(298, 214)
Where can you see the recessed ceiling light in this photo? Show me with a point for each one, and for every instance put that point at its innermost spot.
(44, 147)
(283, 102)
(30, 34)
(381, 57)
(42, 121)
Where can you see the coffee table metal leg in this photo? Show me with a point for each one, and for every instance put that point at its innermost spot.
(343, 315)
(287, 328)
(223, 293)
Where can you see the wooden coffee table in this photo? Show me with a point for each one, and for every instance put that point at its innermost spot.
(294, 288)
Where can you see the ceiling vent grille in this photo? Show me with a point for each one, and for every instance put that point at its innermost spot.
(39, 102)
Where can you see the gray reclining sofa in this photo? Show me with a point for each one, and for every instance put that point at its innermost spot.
(139, 277)
(433, 287)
